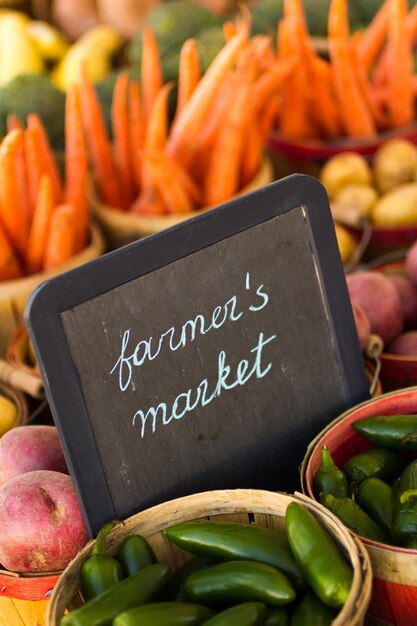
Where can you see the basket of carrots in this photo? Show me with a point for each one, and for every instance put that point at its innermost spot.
(173, 156)
(246, 542)
(361, 92)
(44, 223)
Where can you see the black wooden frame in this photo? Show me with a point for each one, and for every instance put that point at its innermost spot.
(79, 285)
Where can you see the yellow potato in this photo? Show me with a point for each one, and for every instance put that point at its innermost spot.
(344, 169)
(8, 415)
(395, 163)
(354, 203)
(345, 241)
(398, 207)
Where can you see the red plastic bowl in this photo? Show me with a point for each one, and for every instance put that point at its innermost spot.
(317, 149)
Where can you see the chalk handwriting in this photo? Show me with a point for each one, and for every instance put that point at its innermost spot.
(188, 401)
(174, 338)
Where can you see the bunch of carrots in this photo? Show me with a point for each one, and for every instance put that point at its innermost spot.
(367, 84)
(213, 144)
(43, 223)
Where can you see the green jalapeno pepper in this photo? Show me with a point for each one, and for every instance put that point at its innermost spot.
(174, 589)
(377, 499)
(397, 432)
(227, 583)
(377, 462)
(322, 563)
(355, 518)
(140, 588)
(404, 525)
(246, 614)
(278, 617)
(329, 478)
(134, 554)
(223, 541)
(164, 614)
(309, 611)
(100, 571)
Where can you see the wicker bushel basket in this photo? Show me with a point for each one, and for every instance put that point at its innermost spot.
(243, 505)
(394, 592)
(121, 227)
(24, 599)
(14, 293)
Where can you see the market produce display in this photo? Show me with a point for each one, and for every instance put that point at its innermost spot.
(375, 492)
(388, 299)
(215, 143)
(43, 223)
(239, 571)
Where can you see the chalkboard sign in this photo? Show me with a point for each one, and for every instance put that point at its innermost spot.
(206, 356)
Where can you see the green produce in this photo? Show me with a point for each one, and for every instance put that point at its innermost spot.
(209, 43)
(397, 432)
(173, 23)
(355, 518)
(224, 541)
(30, 93)
(278, 617)
(404, 524)
(377, 499)
(100, 571)
(311, 612)
(141, 588)
(323, 565)
(246, 614)
(134, 554)
(239, 581)
(377, 462)
(329, 478)
(265, 16)
(164, 614)
(175, 586)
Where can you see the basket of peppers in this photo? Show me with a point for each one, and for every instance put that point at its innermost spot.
(217, 558)
(363, 468)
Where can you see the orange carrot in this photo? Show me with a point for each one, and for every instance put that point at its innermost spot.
(99, 146)
(120, 124)
(39, 230)
(149, 202)
(157, 128)
(357, 117)
(34, 165)
(270, 81)
(181, 143)
(76, 165)
(60, 245)
(188, 73)
(261, 47)
(49, 162)
(13, 122)
(151, 71)
(229, 30)
(215, 117)
(173, 193)
(136, 128)
(9, 264)
(14, 212)
(223, 174)
(295, 118)
(373, 37)
(178, 172)
(400, 102)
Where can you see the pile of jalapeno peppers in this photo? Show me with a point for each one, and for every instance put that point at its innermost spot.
(240, 574)
(375, 493)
